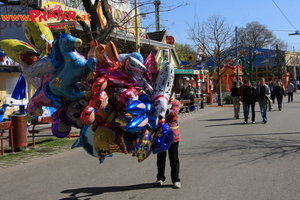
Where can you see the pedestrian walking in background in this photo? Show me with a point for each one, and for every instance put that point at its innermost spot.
(290, 90)
(263, 94)
(241, 88)
(182, 92)
(172, 120)
(236, 100)
(298, 84)
(249, 99)
(272, 87)
(279, 93)
(191, 94)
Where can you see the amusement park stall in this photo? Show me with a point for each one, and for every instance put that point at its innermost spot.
(228, 76)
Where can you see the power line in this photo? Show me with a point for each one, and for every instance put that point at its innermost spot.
(284, 15)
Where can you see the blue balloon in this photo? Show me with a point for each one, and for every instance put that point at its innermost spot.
(73, 68)
(137, 123)
(148, 103)
(135, 107)
(86, 140)
(152, 121)
(136, 55)
(163, 139)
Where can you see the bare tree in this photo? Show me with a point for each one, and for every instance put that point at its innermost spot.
(212, 37)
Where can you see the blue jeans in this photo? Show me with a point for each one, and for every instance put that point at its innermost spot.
(263, 109)
(249, 107)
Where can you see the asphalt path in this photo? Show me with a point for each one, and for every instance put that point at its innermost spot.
(221, 158)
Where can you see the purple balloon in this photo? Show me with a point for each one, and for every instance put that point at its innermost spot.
(59, 128)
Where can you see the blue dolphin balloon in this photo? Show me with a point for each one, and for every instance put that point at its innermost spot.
(86, 140)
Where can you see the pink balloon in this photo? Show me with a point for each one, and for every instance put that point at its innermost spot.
(125, 95)
(39, 99)
(152, 68)
(117, 78)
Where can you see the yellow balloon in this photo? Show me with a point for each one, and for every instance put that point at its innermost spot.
(103, 138)
(21, 52)
(39, 36)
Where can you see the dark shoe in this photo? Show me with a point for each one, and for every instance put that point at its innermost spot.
(264, 121)
(245, 122)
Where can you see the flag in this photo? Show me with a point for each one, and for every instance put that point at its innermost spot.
(20, 91)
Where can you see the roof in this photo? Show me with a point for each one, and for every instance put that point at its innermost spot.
(157, 36)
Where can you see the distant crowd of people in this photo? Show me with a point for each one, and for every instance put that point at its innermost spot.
(263, 93)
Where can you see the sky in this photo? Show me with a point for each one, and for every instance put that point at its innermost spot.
(282, 19)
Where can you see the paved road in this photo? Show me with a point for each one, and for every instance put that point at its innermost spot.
(220, 159)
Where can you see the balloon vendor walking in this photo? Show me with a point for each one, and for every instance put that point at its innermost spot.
(172, 120)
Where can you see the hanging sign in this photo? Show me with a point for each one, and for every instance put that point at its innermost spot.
(170, 40)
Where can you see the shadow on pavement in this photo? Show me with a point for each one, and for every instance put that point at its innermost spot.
(250, 149)
(247, 135)
(221, 119)
(230, 124)
(94, 191)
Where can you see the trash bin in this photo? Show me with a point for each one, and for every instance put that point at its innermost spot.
(193, 106)
(19, 130)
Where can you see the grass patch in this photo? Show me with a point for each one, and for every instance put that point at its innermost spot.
(43, 145)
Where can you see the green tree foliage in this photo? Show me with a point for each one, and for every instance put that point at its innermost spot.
(185, 52)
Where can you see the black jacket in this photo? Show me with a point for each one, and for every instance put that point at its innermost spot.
(249, 94)
(279, 91)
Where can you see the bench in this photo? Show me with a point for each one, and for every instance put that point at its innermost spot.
(198, 103)
(184, 104)
(6, 126)
(33, 131)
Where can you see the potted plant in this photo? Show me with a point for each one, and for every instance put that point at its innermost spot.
(228, 99)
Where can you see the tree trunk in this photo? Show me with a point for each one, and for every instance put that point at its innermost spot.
(220, 102)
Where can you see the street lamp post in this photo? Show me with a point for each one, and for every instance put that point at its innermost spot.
(296, 33)
(294, 69)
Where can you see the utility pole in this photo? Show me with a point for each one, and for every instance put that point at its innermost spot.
(295, 69)
(237, 58)
(137, 32)
(157, 17)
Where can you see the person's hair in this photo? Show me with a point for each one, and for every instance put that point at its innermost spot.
(234, 82)
(245, 81)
